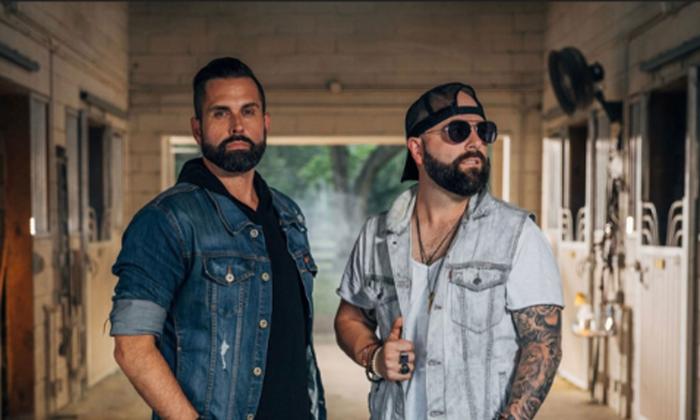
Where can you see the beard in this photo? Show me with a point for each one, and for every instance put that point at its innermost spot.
(452, 179)
(235, 160)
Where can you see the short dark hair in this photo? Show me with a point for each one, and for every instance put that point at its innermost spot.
(221, 68)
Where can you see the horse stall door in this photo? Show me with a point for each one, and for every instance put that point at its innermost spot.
(688, 406)
(3, 263)
(572, 252)
(18, 368)
(693, 233)
(660, 314)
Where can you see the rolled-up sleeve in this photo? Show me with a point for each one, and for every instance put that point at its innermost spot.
(137, 317)
(150, 268)
(534, 278)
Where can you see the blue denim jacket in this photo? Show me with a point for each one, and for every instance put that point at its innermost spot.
(194, 272)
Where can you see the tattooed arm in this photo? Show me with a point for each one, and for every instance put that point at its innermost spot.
(539, 338)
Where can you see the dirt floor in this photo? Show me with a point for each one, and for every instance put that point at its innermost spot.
(346, 395)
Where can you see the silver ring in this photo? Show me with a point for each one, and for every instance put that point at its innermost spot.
(403, 360)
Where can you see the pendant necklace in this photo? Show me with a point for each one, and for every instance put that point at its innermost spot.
(428, 260)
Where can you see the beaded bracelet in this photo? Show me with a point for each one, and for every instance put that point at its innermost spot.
(371, 366)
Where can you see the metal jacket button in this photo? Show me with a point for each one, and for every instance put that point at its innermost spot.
(257, 371)
(262, 324)
(254, 233)
(265, 276)
(229, 275)
(477, 281)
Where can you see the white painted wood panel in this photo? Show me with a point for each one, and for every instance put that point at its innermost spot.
(574, 275)
(660, 333)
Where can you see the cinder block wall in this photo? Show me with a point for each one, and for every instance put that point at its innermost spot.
(78, 46)
(385, 54)
(620, 36)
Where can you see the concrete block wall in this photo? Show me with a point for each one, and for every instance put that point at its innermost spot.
(384, 54)
(78, 46)
(620, 36)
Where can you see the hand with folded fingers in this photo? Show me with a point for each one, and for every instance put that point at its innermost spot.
(395, 360)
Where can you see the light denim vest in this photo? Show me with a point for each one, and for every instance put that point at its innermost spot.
(472, 342)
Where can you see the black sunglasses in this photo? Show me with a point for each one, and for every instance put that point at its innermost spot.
(459, 130)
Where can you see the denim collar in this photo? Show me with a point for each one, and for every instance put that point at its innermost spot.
(287, 212)
(399, 215)
(234, 214)
(195, 172)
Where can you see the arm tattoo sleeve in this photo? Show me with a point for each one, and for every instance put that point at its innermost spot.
(539, 338)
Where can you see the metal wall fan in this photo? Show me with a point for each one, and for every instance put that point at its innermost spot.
(574, 83)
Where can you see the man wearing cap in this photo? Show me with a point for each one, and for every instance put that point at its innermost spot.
(212, 313)
(451, 300)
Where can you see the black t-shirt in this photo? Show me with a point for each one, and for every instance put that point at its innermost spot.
(285, 393)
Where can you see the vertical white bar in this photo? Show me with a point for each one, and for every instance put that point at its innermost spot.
(567, 174)
(505, 193)
(73, 170)
(551, 184)
(544, 187)
(39, 163)
(642, 148)
(84, 178)
(117, 174)
(166, 162)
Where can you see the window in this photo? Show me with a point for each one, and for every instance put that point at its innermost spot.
(663, 166)
(573, 214)
(180, 150)
(100, 182)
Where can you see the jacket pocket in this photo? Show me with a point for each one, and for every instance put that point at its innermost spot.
(228, 279)
(227, 270)
(477, 297)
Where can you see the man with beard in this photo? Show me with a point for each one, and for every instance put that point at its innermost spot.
(212, 310)
(451, 300)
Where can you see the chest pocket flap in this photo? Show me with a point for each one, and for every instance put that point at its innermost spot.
(477, 297)
(477, 279)
(228, 270)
